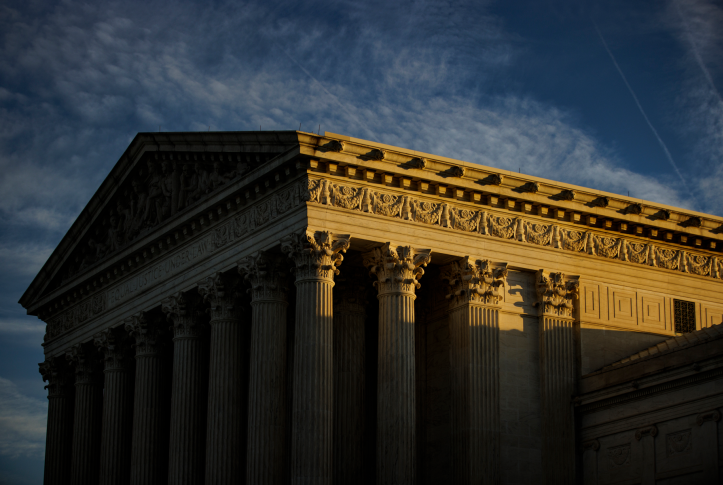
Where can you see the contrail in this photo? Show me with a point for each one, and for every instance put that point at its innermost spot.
(351, 115)
(696, 53)
(640, 107)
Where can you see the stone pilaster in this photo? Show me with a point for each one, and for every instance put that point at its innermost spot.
(476, 293)
(189, 393)
(228, 370)
(558, 374)
(59, 438)
(398, 269)
(349, 319)
(88, 415)
(115, 443)
(316, 256)
(149, 456)
(266, 449)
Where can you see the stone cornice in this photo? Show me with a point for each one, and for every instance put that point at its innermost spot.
(404, 167)
(491, 221)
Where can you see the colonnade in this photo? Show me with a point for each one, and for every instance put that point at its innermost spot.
(233, 404)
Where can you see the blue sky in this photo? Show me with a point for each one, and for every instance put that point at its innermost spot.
(617, 95)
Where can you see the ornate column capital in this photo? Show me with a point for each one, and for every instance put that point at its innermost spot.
(475, 281)
(646, 431)
(183, 310)
(146, 333)
(114, 345)
(397, 268)
(56, 373)
(316, 254)
(222, 292)
(350, 294)
(267, 273)
(556, 294)
(86, 363)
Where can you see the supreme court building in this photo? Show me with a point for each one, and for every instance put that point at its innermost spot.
(289, 308)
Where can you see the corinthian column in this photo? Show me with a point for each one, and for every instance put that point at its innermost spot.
(268, 275)
(84, 468)
(226, 423)
(149, 456)
(349, 318)
(59, 438)
(316, 256)
(398, 269)
(476, 289)
(115, 443)
(187, 449)
(558, 374)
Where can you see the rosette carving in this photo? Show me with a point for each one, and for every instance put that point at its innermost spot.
(114, 346)
(316, 254)
(147, 334)
(504, 227)
(475, 281)
(56, 373)
(397, 268)
(184, 311)
(267, 274)
(555, 294)
(86, 364)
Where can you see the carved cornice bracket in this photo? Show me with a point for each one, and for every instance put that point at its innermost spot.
(397, 268)
(114, 345)
(267, 273)
(646, 431)
(555, 294)
(316, 254)
(475, 281)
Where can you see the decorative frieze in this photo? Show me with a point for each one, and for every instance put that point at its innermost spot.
(484, 222)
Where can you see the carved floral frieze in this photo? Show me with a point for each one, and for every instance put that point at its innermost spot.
(507, 226)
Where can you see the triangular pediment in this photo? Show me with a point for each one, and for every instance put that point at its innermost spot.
(158, 178)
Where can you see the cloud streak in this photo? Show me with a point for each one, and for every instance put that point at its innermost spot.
(22, 422)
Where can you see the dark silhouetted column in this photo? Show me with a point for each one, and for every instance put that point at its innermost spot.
(266, 452)
(85, 465)
(189, 395)
(59, 439)
(115, 443)
(226, 424)
(149, 456)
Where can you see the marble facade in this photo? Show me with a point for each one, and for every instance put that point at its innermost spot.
(284, 307)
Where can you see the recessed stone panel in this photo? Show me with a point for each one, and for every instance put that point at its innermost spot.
(622, 306)
(652, 311)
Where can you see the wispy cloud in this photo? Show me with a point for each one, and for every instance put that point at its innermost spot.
(22, 422)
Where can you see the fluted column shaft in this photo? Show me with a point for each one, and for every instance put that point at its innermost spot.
(115, 444)
(266, 450)
(84, 469)
(149, 456)
(316, 257)
(476, 292)
(558, 375)
(397, 269)
(59, 438)
(189, 398)
(227, 419)
(349, 320)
